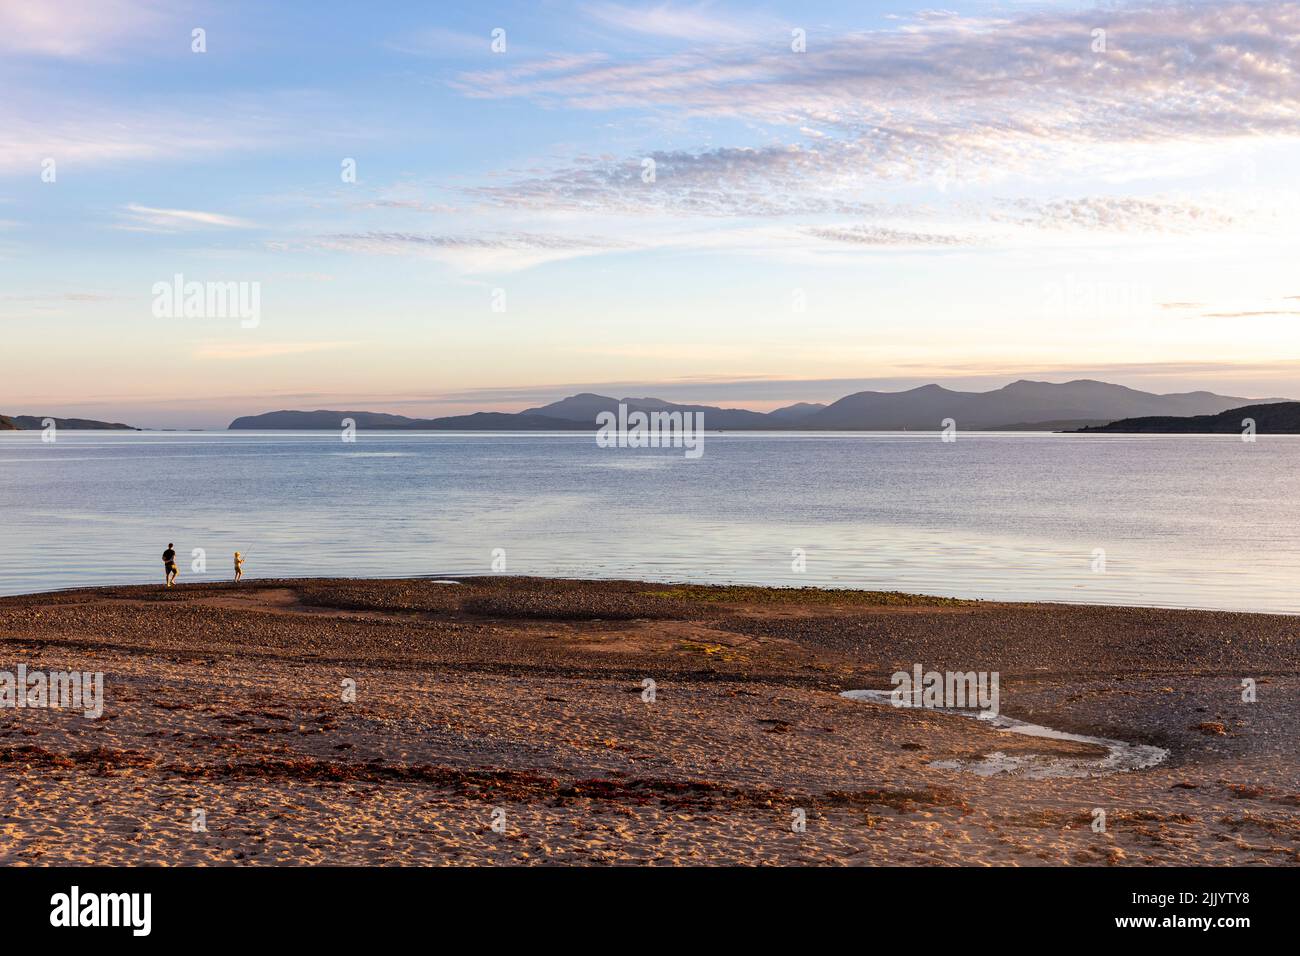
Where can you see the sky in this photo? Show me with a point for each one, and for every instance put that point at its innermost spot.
(436, 209)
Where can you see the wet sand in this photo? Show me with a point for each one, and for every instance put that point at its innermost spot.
(521, 702)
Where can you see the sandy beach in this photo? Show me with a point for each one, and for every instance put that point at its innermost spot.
(504, 720)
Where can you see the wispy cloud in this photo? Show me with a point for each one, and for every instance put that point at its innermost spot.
(152, 219)
(93, 128)
(81, 134)
(411, 205)
(76, 28)
(1115, 214)
(472, 253)
(945, 96)
(52, 305)
(1250, 314)
(699, 23)
(884, 236)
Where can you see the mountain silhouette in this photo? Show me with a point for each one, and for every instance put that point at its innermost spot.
(1018, 406)
(36, 423)
(1277, 418)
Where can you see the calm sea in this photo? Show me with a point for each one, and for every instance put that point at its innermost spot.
(1180, 521)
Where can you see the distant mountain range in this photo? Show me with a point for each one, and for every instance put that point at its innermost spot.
(1278, 418)
(1020, 406)
(13, 423)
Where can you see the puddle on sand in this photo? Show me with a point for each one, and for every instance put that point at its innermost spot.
(1120, 757)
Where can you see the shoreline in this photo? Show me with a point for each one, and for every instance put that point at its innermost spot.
(527, 696)
(667, 582)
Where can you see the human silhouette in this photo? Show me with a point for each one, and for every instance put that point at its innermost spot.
(169, 564)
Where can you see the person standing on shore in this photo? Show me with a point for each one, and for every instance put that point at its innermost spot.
(169, 564)
(239, 567)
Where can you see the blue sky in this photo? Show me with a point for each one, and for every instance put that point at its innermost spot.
(989, 192)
